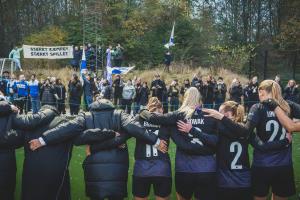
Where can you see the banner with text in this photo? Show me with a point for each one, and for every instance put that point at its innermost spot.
(43, 52)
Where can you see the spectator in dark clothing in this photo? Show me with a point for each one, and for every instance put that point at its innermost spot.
(118, 88)
(185, 86)
(173, 93)
(165, 101)
(3, 82)
(157, 87)
(138, 88)
(253, 92)
(106, 91)
(61, 93)
(167, 61)
(291, 92)
(89, 88)
(118, 56)
(197, 82)
(207, 92)
(48, 94)
(77, 54)
(75, 92)
(246, 91)
(144, 95)
(160, 91)
(91, 59)
(220, 93)
(236, 91)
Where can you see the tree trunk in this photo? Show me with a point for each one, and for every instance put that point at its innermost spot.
(266, 64)
(245, 17)
(258, 20)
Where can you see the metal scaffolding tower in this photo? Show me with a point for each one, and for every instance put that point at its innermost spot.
(91, 26)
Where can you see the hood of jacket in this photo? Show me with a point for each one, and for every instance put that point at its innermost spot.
(102, 105)
(49, 107)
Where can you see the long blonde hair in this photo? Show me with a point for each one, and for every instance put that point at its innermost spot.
(274, 89)
(191, 99)
(238, 111)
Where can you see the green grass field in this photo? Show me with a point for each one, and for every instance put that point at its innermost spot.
(76, 171)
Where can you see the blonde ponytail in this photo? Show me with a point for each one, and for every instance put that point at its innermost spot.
(238, 111)
(154, 104)
(274, 88)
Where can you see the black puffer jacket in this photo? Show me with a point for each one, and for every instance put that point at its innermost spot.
(48, 93)
(75, 93)
(7, 158)
(106, 169)
(45, 172)
(9, 140)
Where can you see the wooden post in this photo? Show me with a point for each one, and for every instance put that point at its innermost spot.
(265, 64)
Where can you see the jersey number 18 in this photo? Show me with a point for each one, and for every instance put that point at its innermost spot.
(151, 149)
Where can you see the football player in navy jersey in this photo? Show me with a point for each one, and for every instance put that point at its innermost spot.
(195, 171)
(287, 122)
(273, 169)
(234, 176)
(152, 167)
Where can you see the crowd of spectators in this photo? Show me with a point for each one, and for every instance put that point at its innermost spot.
(130, 95)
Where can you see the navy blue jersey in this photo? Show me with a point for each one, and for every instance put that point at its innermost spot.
(149, 160)
(232, 153)
(186, 162)
(149, 152)
(269, 129)
(233, 160)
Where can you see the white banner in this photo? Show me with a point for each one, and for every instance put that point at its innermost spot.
(53, 52)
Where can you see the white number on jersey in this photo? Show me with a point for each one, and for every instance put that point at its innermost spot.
(236, 147)
(275, 125)
(151, 149)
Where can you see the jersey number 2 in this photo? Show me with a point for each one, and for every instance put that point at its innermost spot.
(236, 147)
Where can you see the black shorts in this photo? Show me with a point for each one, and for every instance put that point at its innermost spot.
(235, 194)
(141, 186)
(202, 185)
(280, 179)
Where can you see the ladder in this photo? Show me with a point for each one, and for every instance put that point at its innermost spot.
(7, 64)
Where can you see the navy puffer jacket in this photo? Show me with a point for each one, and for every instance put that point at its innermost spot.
(106, 169)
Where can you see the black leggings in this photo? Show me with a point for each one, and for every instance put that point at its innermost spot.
(74, 109)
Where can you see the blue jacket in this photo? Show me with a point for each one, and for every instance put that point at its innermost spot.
(21, 88)
(34, 88)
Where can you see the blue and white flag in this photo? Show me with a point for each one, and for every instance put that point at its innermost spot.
(171, 40)
(83, 61)
(117, 70)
